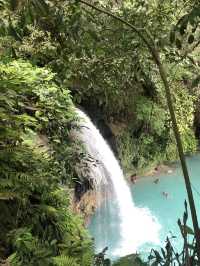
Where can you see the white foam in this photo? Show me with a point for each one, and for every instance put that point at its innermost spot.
(137, 225)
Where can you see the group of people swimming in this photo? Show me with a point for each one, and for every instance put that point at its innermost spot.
(165, 194)
(156, 181)
(133, 179)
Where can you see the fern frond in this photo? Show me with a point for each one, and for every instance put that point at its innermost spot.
(64, 261)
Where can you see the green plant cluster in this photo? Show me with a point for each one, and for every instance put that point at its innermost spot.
(106, 66)
(149, 139)
(130, 260)
(169, 255)
(37, 225)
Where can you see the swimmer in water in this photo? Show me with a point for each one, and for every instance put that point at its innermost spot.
(133, 178)
(165, 194)
(156, 181)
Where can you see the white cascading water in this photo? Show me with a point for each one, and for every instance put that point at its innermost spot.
(137, 225)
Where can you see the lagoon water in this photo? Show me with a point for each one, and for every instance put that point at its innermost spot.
(104, 225)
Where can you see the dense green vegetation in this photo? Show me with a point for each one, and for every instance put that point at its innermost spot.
(37, 226)
(106, 66)
(49, 48)
(130, 260)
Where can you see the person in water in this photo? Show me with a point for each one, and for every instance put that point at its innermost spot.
(133, 178)
(165, 194)
(156, 181)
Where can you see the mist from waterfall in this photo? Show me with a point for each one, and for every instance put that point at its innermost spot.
(136, 225)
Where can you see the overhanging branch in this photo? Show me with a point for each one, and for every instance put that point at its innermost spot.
(156, 57)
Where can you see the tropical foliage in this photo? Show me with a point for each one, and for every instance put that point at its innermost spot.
(50, 47)
(37, 226)
(170, 256)
(106, 65)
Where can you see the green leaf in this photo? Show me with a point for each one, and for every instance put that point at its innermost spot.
(187, 229)
(196, 82)
(7, 195)
(178, 44)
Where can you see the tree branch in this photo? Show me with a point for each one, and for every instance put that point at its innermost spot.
(136, 30)
(156, 57)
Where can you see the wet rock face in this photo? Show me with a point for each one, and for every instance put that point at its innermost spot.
(107, 134)
(81, 188)
(85, 195)
(197, 121)
(96, 115)
(86, 205)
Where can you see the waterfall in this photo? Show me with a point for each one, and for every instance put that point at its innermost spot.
(136, 225)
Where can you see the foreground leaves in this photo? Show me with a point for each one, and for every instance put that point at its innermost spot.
(37, 226)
